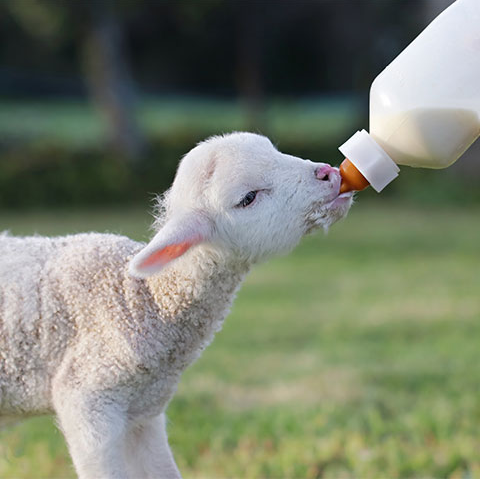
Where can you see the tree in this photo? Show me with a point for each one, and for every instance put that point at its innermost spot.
(101, 55)
(109, 77)
(250, 50)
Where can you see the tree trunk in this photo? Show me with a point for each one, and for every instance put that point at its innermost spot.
(109, 79)
(432, 8)
(249, 69)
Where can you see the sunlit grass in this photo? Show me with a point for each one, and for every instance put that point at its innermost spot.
(76, 123)
(355, 356)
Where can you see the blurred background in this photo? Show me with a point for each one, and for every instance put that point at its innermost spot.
(99, 99)
(357, 355)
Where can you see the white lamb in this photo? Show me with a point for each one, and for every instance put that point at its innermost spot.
(98, 328)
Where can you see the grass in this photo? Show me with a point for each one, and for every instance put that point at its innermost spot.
(76, 123)
(355, 356)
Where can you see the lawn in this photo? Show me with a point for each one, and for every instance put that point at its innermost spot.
(354, 356)
(76, 122)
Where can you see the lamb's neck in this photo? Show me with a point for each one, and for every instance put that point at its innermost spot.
(194, 296)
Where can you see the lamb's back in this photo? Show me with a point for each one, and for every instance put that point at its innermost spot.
(49, 290)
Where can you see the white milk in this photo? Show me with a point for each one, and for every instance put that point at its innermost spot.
(425, 105)
(426, 137)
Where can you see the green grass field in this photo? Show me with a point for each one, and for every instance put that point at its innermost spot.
(77, 123)
(355, 356)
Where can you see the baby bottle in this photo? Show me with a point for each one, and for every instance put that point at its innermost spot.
(424, 107)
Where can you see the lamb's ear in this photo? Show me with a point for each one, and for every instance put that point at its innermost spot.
(173, 240)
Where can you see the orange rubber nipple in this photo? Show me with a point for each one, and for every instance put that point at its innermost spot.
(352, 179)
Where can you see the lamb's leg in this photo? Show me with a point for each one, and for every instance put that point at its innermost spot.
(95, 432)
(148, 448)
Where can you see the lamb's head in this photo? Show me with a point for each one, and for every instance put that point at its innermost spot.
(244, 199)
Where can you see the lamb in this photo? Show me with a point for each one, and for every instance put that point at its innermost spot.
(98, 328)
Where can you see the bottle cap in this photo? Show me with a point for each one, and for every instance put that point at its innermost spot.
(370, 159)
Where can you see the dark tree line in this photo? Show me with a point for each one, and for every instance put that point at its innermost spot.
(250, 49)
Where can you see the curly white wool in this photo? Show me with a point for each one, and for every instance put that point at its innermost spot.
(98, 328)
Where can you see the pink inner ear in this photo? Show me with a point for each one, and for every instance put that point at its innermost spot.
(167, 254)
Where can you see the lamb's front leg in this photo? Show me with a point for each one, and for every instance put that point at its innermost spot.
(148, 450)
(94, 429)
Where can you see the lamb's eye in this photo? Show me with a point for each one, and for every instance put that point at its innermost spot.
(248, 199)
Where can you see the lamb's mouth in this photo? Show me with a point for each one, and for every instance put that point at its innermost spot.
(326, 214)
(340, 199)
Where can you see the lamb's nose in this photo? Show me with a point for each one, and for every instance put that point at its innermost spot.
(324, 172)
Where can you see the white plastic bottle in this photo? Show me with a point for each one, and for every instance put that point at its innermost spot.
(425, 106)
